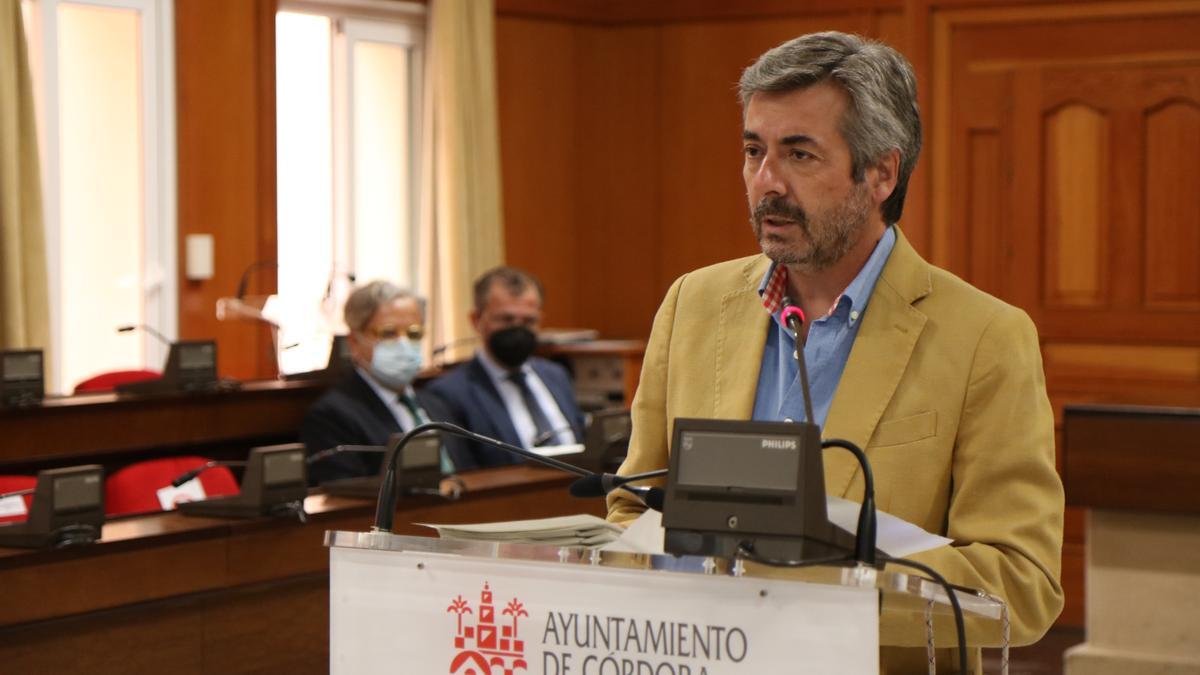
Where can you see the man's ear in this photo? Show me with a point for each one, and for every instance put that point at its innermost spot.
(357, 347)
(474, 317)
(883, 175)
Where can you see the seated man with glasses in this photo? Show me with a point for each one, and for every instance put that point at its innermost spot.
(376, 398)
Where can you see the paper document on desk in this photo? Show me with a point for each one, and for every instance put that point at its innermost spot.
(894, 536)
(556, 450)
(579, 530)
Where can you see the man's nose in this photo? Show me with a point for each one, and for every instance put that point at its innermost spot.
(767, 180)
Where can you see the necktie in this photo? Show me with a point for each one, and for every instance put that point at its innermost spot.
(540, 422)
(419, 417)
(410, 404)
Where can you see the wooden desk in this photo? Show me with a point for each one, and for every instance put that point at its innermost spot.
(172, 593)
(62, 430)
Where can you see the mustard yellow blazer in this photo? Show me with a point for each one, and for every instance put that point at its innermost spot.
(944, 390)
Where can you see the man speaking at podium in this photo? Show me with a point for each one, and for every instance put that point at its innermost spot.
(940, 383)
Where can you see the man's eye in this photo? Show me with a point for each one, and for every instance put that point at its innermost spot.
(801, 154)
(751, 151)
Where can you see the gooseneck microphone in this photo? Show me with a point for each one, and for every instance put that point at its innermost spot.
(385, 506)
(793, 318)
(244, 281)
(17, 493)
(329, 452)
(129, 328)
(441, 349)
(188, 475)
(864, 539)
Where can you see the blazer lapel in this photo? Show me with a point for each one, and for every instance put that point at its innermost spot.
(881, 352)
(361, 391)
(492, 405)
(741, 333)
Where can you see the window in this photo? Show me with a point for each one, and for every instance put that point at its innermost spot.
(348, 100)
(103, 72)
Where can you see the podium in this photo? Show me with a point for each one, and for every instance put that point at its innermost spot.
(423, 605)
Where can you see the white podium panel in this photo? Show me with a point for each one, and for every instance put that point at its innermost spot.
(428, 611)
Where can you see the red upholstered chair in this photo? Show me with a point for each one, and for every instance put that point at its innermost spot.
(109, 381)
(134, 489)
(12, 484)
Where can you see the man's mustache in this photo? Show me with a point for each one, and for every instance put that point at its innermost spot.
(779, 208)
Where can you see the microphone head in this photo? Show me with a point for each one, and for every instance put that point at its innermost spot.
(587, 487)
(126, 328)
(654, 498)
(180, 480)
(792, 313)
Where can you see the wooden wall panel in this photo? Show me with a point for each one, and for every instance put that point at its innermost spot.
(1077, 161)
(538, 97)
(226, 139)
(985, 207)
(617, 185)
(1091, 237)
(1173, 206)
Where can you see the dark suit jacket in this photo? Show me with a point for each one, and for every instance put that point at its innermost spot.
(350, 413)
(474, 403)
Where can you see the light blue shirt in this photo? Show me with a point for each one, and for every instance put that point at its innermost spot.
(780, 396)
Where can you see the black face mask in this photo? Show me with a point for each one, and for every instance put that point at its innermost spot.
(512, 346)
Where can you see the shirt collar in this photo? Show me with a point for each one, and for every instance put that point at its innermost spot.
(774, 283)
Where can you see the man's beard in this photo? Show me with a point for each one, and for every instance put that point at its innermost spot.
(829, 235)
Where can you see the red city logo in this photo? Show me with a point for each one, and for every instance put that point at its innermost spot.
(481, 650)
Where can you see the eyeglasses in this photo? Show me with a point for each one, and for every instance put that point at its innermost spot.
(388, 332)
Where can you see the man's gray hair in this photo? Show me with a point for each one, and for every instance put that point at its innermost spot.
(366, 300)
(883, 97)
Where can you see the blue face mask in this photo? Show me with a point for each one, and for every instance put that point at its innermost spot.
(396, 363)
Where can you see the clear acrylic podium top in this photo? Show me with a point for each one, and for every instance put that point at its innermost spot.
(900, 591)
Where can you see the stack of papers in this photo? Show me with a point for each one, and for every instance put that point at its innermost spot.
(580, 530)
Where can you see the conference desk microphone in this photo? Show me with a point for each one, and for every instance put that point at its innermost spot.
(385, 507)
(190, 474)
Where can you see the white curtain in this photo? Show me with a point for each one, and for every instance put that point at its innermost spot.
(462, 230)
(24, 306)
